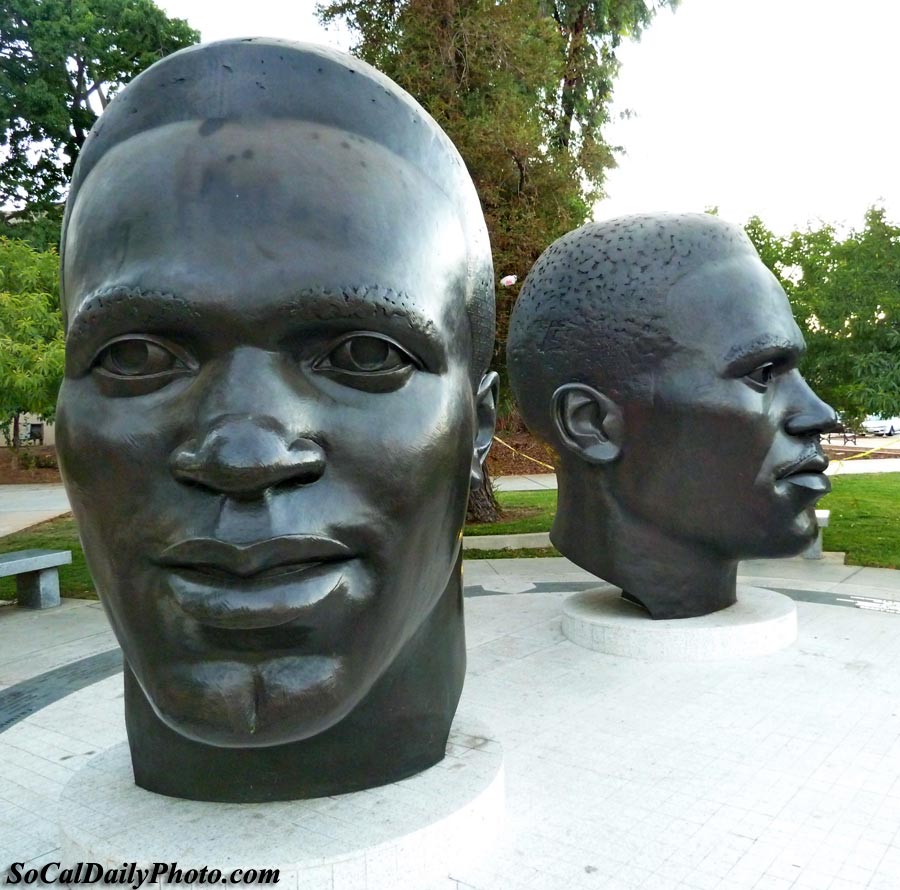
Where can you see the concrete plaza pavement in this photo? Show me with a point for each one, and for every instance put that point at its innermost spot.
(778, 772)
(22, 506)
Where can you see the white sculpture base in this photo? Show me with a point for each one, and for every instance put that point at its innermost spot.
(405, 835)
(759, 623)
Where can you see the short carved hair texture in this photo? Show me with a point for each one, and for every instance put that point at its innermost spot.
(592, 309)
(259, 79)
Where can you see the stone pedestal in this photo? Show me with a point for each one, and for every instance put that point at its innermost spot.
(405, 835)
(760, 622)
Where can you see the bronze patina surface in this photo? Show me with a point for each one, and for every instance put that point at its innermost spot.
(278, 296)
(658, 356)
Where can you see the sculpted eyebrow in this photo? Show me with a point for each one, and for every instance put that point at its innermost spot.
(119, 310)
(363, 303)
(763, 348)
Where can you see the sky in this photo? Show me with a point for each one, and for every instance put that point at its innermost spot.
(786, 109)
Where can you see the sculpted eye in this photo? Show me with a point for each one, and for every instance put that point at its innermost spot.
(368, 355)
(762, 375)
(137, 365)
(368, 361)
(137, 358)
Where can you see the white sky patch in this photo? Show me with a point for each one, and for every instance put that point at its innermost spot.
(782, 108)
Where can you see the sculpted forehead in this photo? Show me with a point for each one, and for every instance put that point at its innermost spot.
(299, 204)
(730, 302)
(603, 287)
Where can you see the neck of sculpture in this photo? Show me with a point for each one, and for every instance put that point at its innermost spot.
(399, 729)
(670, 577)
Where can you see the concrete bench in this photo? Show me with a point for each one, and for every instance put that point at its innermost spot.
(814, 551)
(37, 579)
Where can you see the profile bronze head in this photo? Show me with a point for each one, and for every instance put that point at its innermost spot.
(658, 356)
(278, 296)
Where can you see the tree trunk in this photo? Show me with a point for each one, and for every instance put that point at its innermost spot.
(483, 506)
(572, 85)
(15, 442)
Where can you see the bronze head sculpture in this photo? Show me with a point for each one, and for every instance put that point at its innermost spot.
(278, 295)
(658, 356)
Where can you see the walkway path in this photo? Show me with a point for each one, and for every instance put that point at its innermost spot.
(24, 505)
(774, 772)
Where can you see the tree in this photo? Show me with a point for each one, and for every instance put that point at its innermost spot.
(31, 332)
(845, 293)
(522, 87)
(36, 224)
(60, 63)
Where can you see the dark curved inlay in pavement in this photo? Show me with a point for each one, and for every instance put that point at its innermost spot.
(823, 598)
(23, 699)
(837, 598)
(20, 701)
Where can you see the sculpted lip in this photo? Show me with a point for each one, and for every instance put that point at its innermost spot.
(264, 584)
(212, 556)
(808, 472)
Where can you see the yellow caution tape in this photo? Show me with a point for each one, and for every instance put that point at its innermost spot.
(532, 459)
(841, 460)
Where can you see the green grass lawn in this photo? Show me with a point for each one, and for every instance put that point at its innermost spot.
(865, 519)
(865, 524)
(528, 511)
(57, 534)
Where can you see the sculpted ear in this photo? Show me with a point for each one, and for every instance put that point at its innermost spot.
(485, 419)
(588, 422)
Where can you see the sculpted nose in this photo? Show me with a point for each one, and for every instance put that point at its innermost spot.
(812, 416)
(245, 456)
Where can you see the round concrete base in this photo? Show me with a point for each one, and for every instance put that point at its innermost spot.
(760, 622)
(403, 835)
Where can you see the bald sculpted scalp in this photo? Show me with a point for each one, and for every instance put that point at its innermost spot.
(262, 79)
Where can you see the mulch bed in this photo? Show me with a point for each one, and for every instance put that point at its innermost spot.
(28, 475)
(836, 452)
(502, 461)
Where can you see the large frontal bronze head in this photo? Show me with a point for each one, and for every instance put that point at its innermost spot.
(279, 305)
(659, 356)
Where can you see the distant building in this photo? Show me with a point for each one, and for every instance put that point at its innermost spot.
(33, 430)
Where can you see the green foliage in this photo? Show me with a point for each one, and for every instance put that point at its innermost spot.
(845, 293)
(39, 226)
(60, 63)
(522, 87)
(31, 332)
